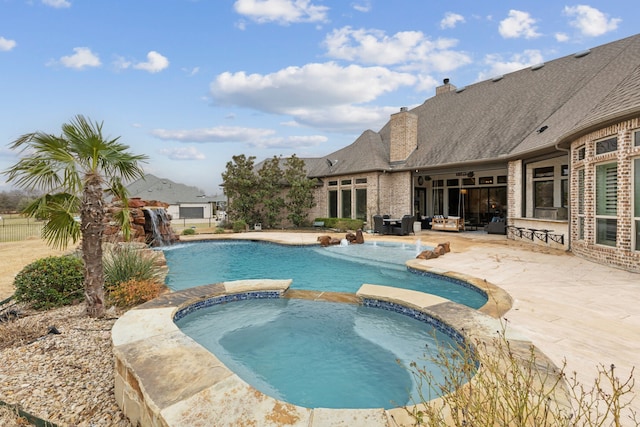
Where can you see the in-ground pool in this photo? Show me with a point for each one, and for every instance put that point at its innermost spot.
(334, 268)
(319, 354)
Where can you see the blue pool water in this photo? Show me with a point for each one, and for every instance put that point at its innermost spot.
(334, 268)
(319, 354)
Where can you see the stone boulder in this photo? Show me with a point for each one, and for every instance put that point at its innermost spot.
(428, 254)
(446, 246)
(324, 240)
(359, 237)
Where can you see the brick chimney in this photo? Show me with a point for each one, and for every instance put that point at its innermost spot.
(446, 87)
(404, 135)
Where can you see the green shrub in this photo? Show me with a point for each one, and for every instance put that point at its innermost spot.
(51, 282)
(239, 226)
(124, 263)
(218, 230)
(342, 224)
(188, 231)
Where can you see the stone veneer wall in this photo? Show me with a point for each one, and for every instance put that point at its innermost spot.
(514, 190)
(404, 135)
(622, 255)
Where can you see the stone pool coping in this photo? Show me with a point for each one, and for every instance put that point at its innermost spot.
(164, 378)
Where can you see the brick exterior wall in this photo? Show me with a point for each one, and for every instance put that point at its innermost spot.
(387, 193)
(622, 255)
(404, 135)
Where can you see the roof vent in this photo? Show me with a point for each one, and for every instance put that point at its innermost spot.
(461, 89)
(403, 109)
(497, 78)
(445, 81)
(537, 66)
(582, 53)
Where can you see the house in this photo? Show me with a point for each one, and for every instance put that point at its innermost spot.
(553, 148)
(185, 202)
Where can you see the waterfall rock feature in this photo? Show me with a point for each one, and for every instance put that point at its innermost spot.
(150, 223)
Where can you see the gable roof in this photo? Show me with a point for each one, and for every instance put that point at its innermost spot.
(150, 187)
(516, 115)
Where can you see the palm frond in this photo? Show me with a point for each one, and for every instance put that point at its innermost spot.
(58, 212)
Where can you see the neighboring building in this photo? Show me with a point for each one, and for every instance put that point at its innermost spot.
(185, 202)
(555, 147)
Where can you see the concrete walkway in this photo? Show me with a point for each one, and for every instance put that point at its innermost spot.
(573, 310)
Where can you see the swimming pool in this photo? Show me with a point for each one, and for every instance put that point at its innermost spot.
(334, 268)
(318, 353)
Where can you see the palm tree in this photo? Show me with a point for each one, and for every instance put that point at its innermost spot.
(73, 171)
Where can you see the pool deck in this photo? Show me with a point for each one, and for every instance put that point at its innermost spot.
(573, 310)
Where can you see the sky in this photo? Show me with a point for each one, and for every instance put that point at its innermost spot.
(191, 83)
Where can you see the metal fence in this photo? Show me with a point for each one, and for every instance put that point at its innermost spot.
(16, 232)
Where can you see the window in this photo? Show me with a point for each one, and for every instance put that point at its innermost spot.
(361, 203)
(468, 181)
(543, 194)
(543, 187)
(485, 180)
(636, 138)
(581, 153)
(606, 203)
(332, 183)
(580, 204)
(607, 145)
(502, 179)
(636, 199)
(361, 180)
(345, 182)
(346, 204)
(333, 204)
(546, 172)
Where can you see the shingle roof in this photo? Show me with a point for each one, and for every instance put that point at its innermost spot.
(502, 117)
(368, 152)
(150, 187)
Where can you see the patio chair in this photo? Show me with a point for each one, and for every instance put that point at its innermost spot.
(405, 227)
(378, 225)
(496, 226)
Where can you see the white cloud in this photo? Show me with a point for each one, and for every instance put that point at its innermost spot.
(281, 11)
(590, 21)
(191, 71)
(427, 83)
(58, 4)
(345, 118)
(82, 58)
(215, 134)
(6, 44)
(155, 63)
(315, 85)
(408, 49)
(253, 137)
(498, 66)
(450, 20)
(561, 37)
(362, 6)
(121, 63)
(182, 153)
(518, 24)
(290, 142)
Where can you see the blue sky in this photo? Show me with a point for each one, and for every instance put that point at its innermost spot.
(191, 83)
